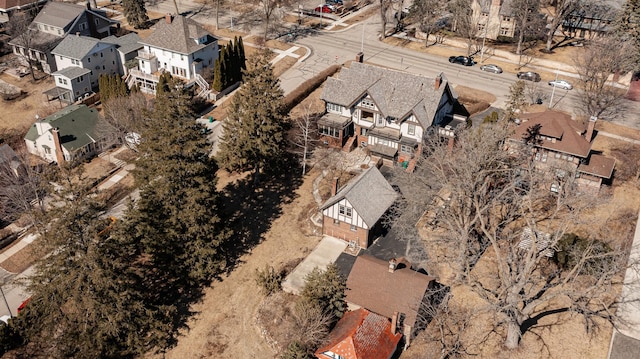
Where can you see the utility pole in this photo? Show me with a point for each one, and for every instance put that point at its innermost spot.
(5, 301)
(553, 91)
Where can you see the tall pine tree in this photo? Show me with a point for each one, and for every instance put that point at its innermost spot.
(254, 129)
(135, 12)
(217, 75)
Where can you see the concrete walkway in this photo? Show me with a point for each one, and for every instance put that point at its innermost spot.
(327, 251)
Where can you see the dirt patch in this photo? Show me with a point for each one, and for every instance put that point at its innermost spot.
(21, 113)
(618, 130)
(474, 100)
(22, 260)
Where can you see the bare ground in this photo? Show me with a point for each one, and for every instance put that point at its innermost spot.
(20, 113)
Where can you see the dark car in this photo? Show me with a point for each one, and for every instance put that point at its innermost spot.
(462, 60)
(529, 76)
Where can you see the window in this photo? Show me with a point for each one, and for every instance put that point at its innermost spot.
(59, 79)
(380, 121)
(368, 103)
(333, 107)
(329, 131)
(557, 155)
(59, 32)
(353, 228)
(46, 27)
(480, 27)
(504, 31)
(383, 142)
(88, 59)
(555, 188)
(64, 81)
(82, 26)
(96, 21)
(101, 55)
(544, 156)
(406, 149)
(411, 129)
(335, 221)
(507, 18)
(363, 131)
(61, 57)
(46, 149)
(345, 211)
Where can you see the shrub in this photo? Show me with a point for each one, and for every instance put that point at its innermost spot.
(326, 290)
(571, 249)
(268, 280)
(491, 118)
(301, 92)
(295, 350)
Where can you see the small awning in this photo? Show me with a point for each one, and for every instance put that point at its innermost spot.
(56, 92)
(385, 151)
(334, 120)
(388, 133)
(409, 141)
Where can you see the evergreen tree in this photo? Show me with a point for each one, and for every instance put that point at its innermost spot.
(235, 62)
(241, 55)
(163, 84)
(103, 87)
(224, 67)
(326, 289)
(254, 128)
(628, 28)
(135, 12)
(217, 75)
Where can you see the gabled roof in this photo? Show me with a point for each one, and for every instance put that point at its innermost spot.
(599, 166)
(396, 93)
(77, 125)
(72, 72)
(59, 14)
(75, 46)
(369, 194)
(370, 285)
(39, 40)
(180, 36)
(365, 334)
(558, 125)
(125, 44)
(16, 4)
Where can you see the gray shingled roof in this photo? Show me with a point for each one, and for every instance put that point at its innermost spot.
(395, 93)
(58, 14)
(125, 44)
(75, 47)
(77, 124)
(40, 40)
(370, 195)
(624, 347)
(72, 72)
(179, 36)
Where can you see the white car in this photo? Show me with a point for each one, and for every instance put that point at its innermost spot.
(561, 84)
(5, 319)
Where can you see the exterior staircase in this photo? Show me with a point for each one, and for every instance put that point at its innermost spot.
(349, 145)
(205, 88)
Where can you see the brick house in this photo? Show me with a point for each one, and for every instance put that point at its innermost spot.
(563, 144)
(360, 334)
(383, 110)
(389, 288)
(353, 212)
(495, 18)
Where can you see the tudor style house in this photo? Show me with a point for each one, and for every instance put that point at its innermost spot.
(353, 212)
(71, 134)
(387, 111)
(494, 18)
(564, 145)
(389, 288)
(179, 46)
(55, 21)
(360, 334)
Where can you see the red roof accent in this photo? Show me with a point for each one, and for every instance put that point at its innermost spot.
(361, 334)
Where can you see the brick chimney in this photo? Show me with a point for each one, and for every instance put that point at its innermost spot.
(394, 323)
(56, 142)
(168, 19)
(334, 186)
(496, 3)
(88, 4)
(360, 57)
(590, 128)
(393, 264)
(438, 82)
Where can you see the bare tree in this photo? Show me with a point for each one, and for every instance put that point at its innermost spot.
(309, 325)
(516, 100)
(494, 205)
(465, 23)
(385, 6)
(563, 10)
(596, 64)
(24, 35)
(125, 114)
(306, 134)
(426, 14)
(529, 23)
(269, 9)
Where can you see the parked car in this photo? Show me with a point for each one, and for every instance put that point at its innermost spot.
(491, 68)
(324, 8)
(337, 2)
(23, 305)
(529, 76)
(565, 85)
(462, 60)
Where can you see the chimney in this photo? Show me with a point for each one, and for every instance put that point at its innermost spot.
(394, 323)
(77, 33)
(393, 263)
(496, 3)
(167, 18)
(334, 186)
(88, 4)
(56, 142)
(360, 57)
(452, 142)
(590, 127)
(438, 82)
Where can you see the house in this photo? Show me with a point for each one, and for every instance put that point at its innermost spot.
(385, 111)
(9, 7)
(80, 61)
(591, 20)
(353, 212)
(360, 334)
(177, 45)
(563, 144)
(495, 18)
(127, 47)
(71, 134)
(53, 23)
(389, 288)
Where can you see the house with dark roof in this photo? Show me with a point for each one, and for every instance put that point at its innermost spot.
(591, 20)
(354, 211)
(389, 288)
(563, 144)
(53, 23)
(179, 46)
(495, 18)
(383, 110)
(9, 7)
(71, 134)
(360, 334)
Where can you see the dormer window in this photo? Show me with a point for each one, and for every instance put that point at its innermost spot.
(345, 211)
(367, 103)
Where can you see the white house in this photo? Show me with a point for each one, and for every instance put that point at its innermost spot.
(387, 111)
(55, 21)
(71, 134)
(179, 46)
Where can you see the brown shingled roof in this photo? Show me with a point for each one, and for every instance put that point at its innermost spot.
(372, 286)
(599, 166)
(9, 4)
(560, 126)
(361, 334)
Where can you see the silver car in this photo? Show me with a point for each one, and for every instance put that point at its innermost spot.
(491, 68)
(565, 85)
